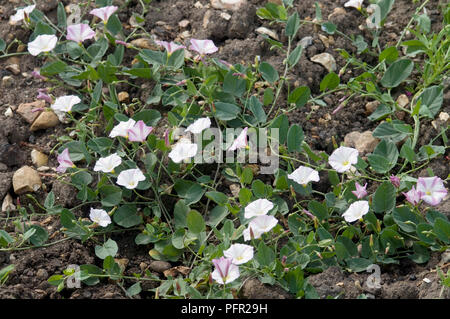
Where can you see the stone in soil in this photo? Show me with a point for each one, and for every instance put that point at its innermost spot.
(233, 5)
(38, 158)
(326, 60)
(5, 185)
(46, 119)
(26, 180)
(12, 155)
(25, 110)
(364, 142)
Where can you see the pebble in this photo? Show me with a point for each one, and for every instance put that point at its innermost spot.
(336, 12)
(403, 100)
(268, 32)
(372, 106)
(326, 60)
(235, 189)
(25, 180)
(428, 281)
(306, 42)
(233, 5)
(13, 68)
(198, 5)
(123, 96)
(144, 43)
(159, 266)
(42, 274)
(7, 81)
(25, 110)
(38, 158)
(45, 120)
(8, 203)
(9, 112)
(225, 16)
(183, 23)
(363, 142)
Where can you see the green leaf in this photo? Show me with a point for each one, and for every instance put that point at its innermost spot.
(442, 230)
(234, 84)
(150, 117)
(191, 192)
(109, 248)
(384, 157)
(381, 112)
(180, 212)
(39, 237)
(61, 16)
(100, 145)
(300, 96)
(282, 123)
(195, 222)
(295, 138)
(134, 289)
(292, 25)
(226, 111)
(110, 195)
(425, 233)
(2, 45)
(295, 56)
(384, 198)
(217, 197)
(77, 151)
(114, 25)
(268, 72)
(217, 214)
(329, 27)
(390, 55)
(176, 59)
(431, 101)
(49, 200)
(255, 106)
(406, 219)
(318, 210)
(127, 216)
(330, 82)
(397, 73)
(360, 44)
(52, 68)
(394, 131)
(358, 264)
(81, 179)
(247, 175)
(265, 255)
(421, 254)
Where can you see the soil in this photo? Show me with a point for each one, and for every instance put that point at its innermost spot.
(238, 43)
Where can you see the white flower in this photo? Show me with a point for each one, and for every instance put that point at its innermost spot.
(303, 175)
(183, 150)
(42, 43)
(130, 178)
(258, 226)
(122, 128)
(100, 216)
(108, 164)
(225, 271)
(357, 4)
(199, 125)
(343, 158)
(240, 141)
(258, 207)
(65, 103)
(20, 14)
(240, 253)
(356, 211)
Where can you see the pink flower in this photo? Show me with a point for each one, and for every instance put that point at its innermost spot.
(203, 46)
(122, 43)
(240, 141)
(79, 32)
(413, 196)
(104, 13)
(139, 132)
(395, 180)
(171, 47)
(360, 191)
(225, 271)
(37, 75)
(432, 189)
(64, 161)
(166, 137)
(42, 95)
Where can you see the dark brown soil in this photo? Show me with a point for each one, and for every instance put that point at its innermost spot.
(238, 43)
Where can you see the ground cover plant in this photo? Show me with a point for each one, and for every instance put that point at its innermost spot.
(222, 177)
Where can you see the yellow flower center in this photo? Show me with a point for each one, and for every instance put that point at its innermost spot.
(345, 163)
(428, 193)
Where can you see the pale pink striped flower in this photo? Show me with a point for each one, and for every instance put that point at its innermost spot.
(225, 271)
(64, 161)
(171, 47)
(203, 46)
(360, 191)
(432, 189)
(139, 132)
(79, 32)
(104, 13)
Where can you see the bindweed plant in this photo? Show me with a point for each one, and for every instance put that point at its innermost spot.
(163, 177)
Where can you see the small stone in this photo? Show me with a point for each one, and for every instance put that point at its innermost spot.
(426, 280)
(21, 47)
(324, 40)
(43, 168)
(123, 96)
(143, 266)
(13, 68)
(268, 32)
(39, 159)
(25, 180)
(444, 116)
(144, 43)
(338, 11)
(7, 81)
(198, 5)
(42, 274)
(326, 60)
(233, 5)
(160, 266)
(8, 203)
(186, 34)
(25, 110)
(225, 16)
(363, 142)
(403, 100)
(235, 189)
(206, 18)
(306, 42)
(371, 107)
(183, 23)
(45, 120)
(445, 257)
(9, 112)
